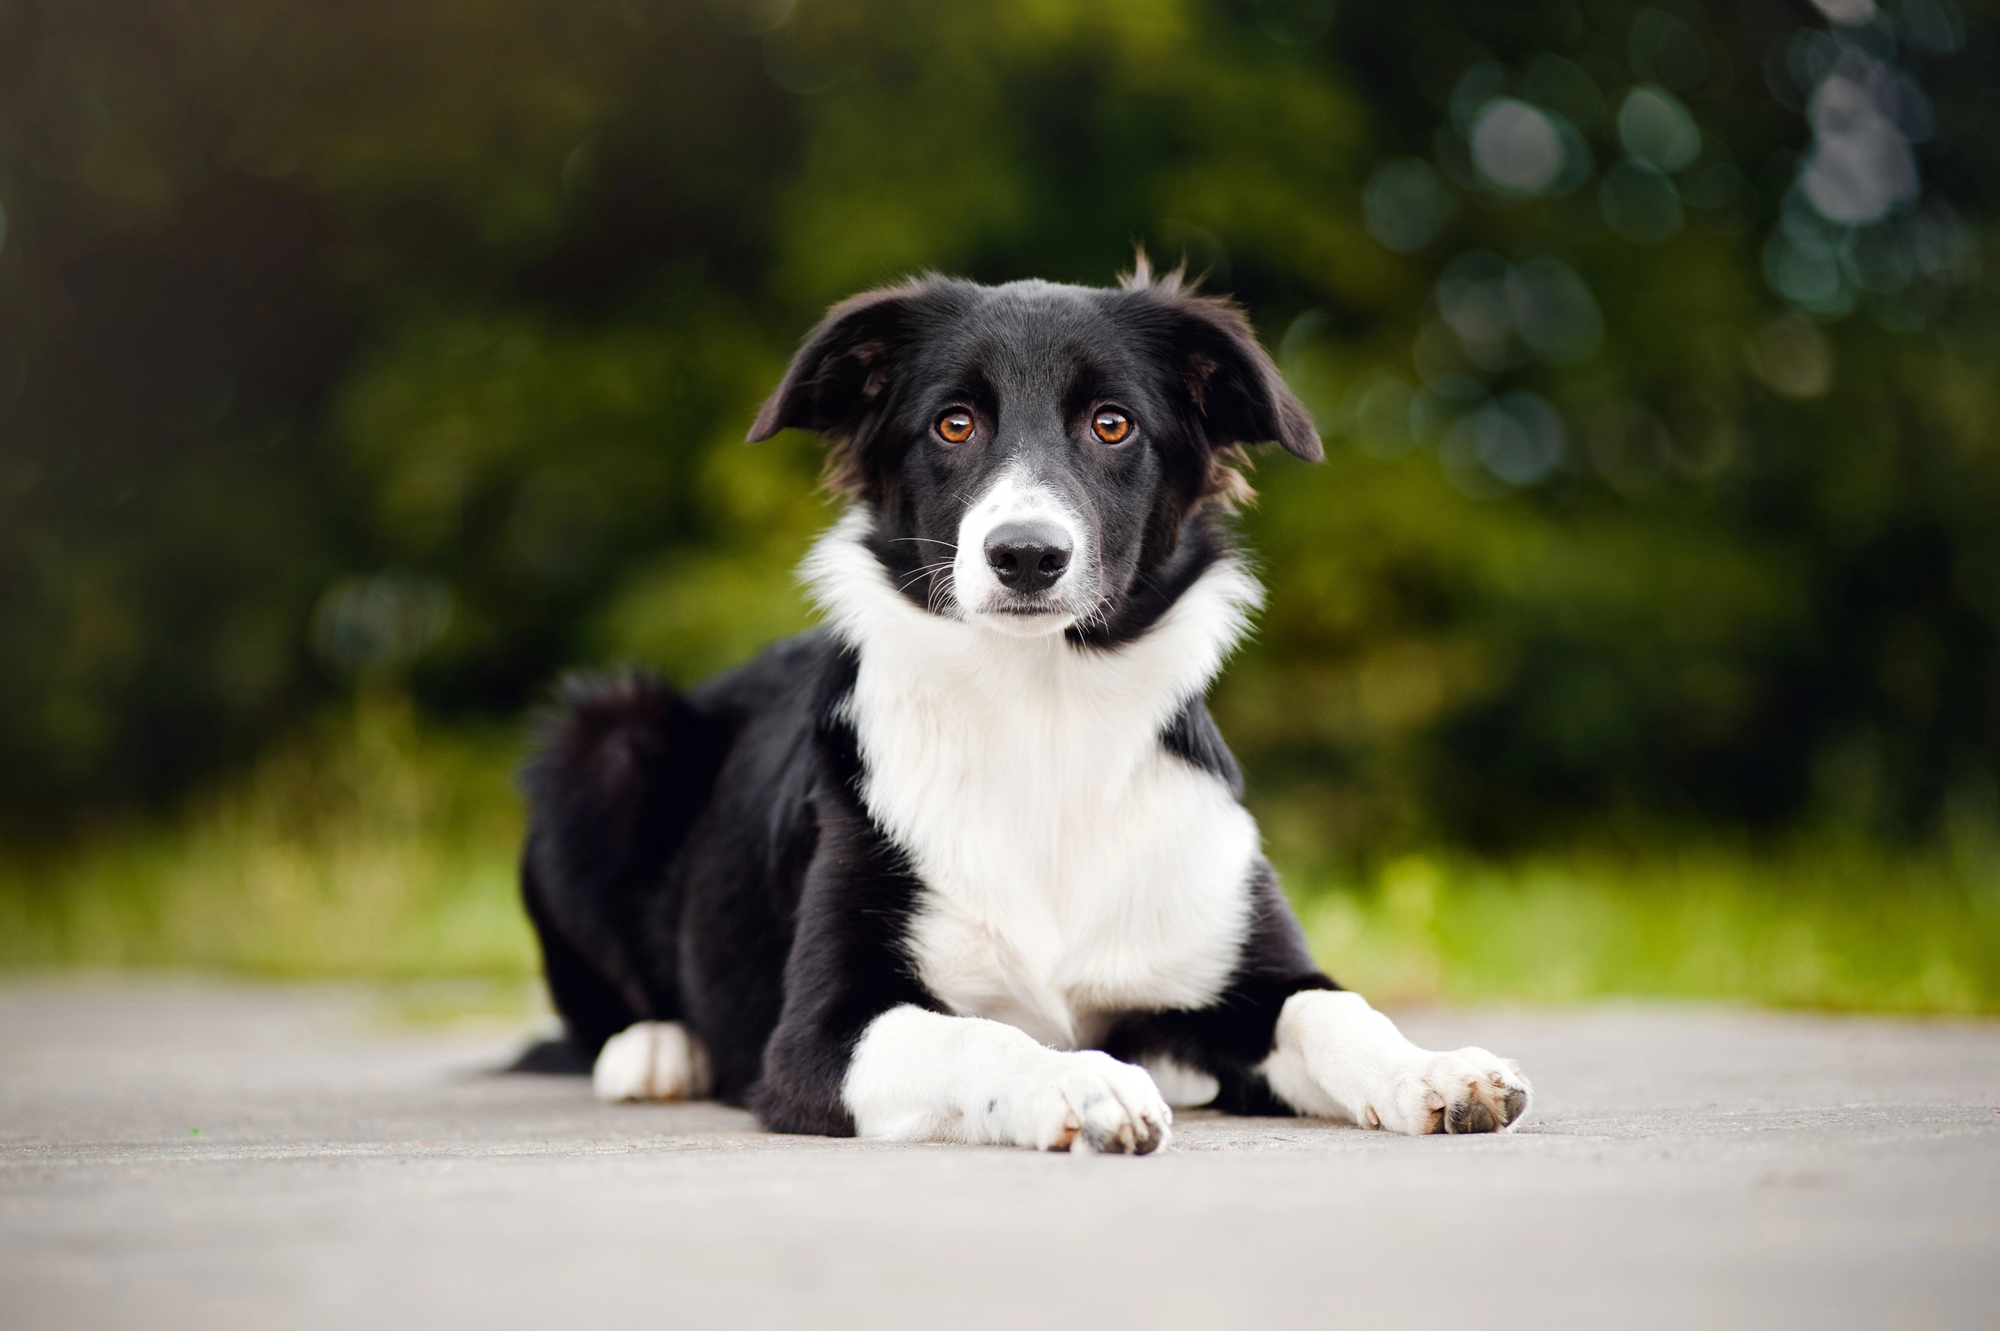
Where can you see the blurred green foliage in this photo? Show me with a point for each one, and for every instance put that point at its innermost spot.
(360, 846)
(374, 846)
(351, 347)
(1809, 924)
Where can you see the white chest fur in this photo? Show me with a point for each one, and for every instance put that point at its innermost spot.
(1073, 868)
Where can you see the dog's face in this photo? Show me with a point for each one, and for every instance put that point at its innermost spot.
(1033, 452)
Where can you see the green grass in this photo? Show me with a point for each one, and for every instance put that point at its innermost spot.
(1819, 925)
(367, 847)
(373, 847)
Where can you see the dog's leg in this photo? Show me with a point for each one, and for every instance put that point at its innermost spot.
(923, 1076)
(651, 1060)
(1337, 1057)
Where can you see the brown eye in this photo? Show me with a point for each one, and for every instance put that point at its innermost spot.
(955, 427)
(1111, 426)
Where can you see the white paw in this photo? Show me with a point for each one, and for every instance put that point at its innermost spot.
(1092, 1102)
(651, 1060)
(1465, 1090)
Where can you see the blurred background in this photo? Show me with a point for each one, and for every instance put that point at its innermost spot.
(366, 363)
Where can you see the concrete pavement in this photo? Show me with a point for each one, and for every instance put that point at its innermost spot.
(200, 1154)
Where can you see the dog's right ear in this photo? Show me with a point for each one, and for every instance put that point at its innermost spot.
(837, 379)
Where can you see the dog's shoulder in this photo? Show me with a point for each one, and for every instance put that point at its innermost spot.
(792, 732)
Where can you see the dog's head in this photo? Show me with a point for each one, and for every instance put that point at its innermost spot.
(1035, 454)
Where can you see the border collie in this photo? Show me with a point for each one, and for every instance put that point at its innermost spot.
(969, 863)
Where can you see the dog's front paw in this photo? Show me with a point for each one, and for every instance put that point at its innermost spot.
(1093, 1102)
(651, 1060)
(1466, 1090)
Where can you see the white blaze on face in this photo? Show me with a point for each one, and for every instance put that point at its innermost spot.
(1018, 497)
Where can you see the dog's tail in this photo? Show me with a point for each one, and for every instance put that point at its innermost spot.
(623, 765)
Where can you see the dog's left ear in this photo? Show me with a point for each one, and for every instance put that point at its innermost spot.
(1230, 379)
(836, 380)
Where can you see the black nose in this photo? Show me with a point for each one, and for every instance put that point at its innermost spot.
(1027, 556)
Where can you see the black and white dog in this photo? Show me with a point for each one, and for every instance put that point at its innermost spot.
(968, 864)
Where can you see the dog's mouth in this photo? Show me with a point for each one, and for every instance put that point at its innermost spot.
(1027, 616)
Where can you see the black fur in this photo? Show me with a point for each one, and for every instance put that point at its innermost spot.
(1193, 738)
(847, 964)
(708, 859)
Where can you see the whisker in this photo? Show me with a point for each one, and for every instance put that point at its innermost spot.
(939, 590)
(940, 587)
(923, 570)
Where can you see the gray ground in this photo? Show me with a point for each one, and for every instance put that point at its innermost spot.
(1683, 1167)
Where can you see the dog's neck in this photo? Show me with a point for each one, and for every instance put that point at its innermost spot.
(942, 654)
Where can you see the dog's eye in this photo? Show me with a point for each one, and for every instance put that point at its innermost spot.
(955, 427)
(1113, 427)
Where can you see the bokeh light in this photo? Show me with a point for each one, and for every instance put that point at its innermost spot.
(381, 622)
(1657, 130)
(1791, 357)
(1516, 147)
(1502, 314)
(1554, 312)
(1802, 263)
(1860, 165)
(1407, 204)
(1515, 440)
(1378, 416)
(1472, 296)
